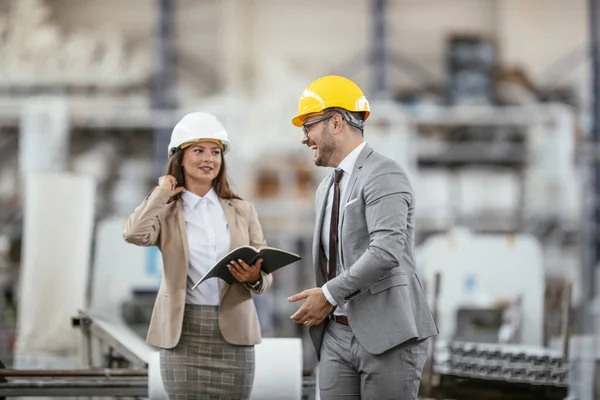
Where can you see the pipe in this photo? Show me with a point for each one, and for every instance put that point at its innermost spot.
(63, 389)
(106, 372)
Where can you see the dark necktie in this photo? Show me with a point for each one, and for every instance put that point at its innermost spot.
(333, 227)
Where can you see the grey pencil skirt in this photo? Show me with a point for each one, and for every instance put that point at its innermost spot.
(203, 366)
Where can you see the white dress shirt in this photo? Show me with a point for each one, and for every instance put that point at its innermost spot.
(347, 165)
(208, 242)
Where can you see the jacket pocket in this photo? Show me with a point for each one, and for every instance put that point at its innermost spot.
(394, 280)
(352, 205)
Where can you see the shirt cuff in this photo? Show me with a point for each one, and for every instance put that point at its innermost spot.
(328, 295)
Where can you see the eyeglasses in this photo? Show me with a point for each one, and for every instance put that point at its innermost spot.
(306, 126)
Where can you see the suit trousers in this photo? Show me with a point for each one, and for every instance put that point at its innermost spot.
(348, 371)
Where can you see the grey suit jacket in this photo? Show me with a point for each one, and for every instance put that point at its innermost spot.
(386, 303)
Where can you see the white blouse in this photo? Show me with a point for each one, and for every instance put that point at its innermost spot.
(208, 241)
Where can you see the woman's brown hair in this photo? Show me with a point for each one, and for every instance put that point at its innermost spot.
(220, 183)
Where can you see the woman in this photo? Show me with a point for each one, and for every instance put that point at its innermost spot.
(207, 335)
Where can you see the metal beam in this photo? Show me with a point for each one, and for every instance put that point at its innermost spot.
(591, 219)
(52, 373)
(117, 336)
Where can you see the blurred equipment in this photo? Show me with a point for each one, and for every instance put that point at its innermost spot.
(131, 185)
(498, 322)
(7, 307)
(484, 276)
(471, 63)
(44, 135)
(480, 325)
(514, 87)
(38, 53)
(523, 156)
(128, 367)
(477, 371)
(125, 278)
(517, 364)
(472, 371)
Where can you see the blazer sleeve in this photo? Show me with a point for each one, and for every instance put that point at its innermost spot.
(257, 240)
(142, 228)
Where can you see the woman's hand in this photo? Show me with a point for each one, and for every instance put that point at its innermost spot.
(245, 273)
(169, 183)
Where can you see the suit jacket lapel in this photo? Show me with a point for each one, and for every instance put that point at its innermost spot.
(234, 233)
(362, 157)
(231, 215)
(182, 231)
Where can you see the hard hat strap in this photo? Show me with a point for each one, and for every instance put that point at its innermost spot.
(351, 119)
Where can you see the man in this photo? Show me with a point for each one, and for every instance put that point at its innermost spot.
(368, 317)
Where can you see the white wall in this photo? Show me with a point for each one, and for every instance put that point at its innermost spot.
(537, 33)
(339, 37)
(134, 18)
(420, 29)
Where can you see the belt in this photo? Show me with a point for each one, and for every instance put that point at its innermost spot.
(341, 319)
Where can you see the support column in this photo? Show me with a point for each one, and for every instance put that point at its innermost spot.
(591, 235)
(164, 83)
(379, 56)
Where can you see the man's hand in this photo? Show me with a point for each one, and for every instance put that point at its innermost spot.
(314, 310)
(245, 273)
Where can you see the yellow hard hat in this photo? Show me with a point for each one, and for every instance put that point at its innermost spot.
(331, 92)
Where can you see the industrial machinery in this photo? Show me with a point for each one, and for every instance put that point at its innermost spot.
(128, 367)
(472, 370)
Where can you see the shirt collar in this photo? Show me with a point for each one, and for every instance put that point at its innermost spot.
(347, 164)
(212, 196)
(191, 199)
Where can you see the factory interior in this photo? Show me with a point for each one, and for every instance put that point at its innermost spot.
(492, 107)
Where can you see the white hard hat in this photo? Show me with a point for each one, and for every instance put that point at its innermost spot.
(196, 126)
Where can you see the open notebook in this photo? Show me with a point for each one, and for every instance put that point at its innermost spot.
(273, 259)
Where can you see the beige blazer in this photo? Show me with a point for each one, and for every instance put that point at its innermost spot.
(156, 223)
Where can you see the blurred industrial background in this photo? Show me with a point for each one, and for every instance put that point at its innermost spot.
(492, 107)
